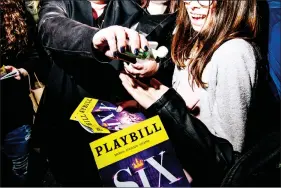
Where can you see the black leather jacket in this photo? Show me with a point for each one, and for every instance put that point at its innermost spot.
(64, 25)
(65, 32)
(205, 156)
(67, 26)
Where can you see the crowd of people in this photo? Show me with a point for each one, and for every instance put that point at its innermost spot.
(216, 92)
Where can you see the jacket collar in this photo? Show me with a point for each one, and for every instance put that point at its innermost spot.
(127, 13)
(122, 12)
(150, 23)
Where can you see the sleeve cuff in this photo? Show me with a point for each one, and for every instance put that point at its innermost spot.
(160, 103)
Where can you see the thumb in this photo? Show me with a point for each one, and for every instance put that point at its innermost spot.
(23, 71)
(137, 66)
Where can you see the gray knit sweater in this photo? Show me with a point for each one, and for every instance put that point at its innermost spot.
(231, 76)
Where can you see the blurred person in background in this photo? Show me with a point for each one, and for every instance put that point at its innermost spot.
(67, 32)
(78, 70)
(217, 78)
(17, 54)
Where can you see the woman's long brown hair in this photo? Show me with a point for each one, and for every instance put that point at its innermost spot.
(172, 4)
(231, 19)
(14, 29)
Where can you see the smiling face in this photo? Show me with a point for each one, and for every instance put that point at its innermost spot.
(199, 13)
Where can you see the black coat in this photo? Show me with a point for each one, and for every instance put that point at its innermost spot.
(76, 72)
(205, 157)
(16, 106)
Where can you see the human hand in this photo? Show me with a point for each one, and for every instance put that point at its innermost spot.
(19, 72)
(142, 68)
(145, 95)
(116, 38)
(127, 104)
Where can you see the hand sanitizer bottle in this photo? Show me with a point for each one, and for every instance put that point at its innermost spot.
(151, 54)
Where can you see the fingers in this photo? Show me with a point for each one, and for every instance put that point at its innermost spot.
(17, 76)
(141, 93)
(139, 83)
(144, 42)
(105, 40)
(129, 69)
(11, 69)
(127, 85)
(137, 66)
(23, 72)
(111, 41)
(155, 83)
(121, 39)
(126, 104)
(161, 89)
(137, 69)
(134, 40)
(145, 68)
(115, 38)
(132, 82)
(189, 178)
(126, 78)
(126, 71)
(138, 93)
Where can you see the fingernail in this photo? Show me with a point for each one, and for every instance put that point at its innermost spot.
(145, 48)
(122, 49)
(136, 51)
(115, 54)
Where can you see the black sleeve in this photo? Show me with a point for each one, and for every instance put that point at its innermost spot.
(203, 155)
(166, 68)
(58, 32)
(30, 62)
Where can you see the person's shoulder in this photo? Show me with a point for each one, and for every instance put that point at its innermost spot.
(235, 54)
(236, 46)
(235, 49)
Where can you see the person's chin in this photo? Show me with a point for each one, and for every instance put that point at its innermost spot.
(196, 28)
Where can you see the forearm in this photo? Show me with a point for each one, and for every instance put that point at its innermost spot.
(62, 35)
(58, 32)
(166, 68)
